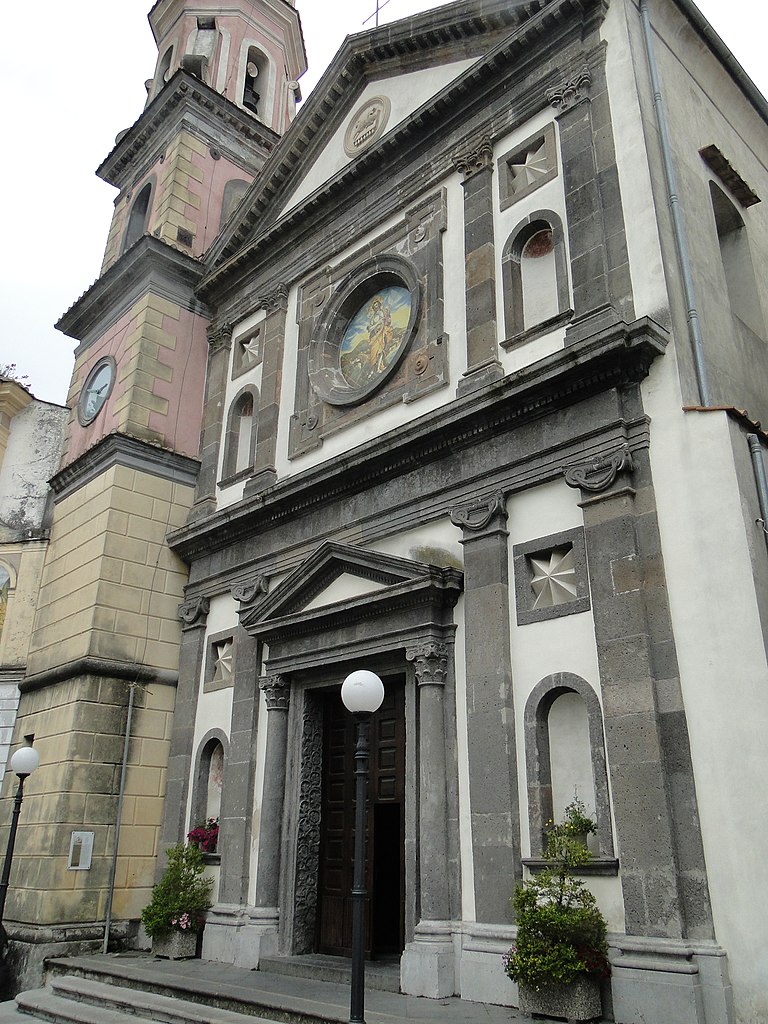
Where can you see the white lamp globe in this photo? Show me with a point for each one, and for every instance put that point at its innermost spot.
(362, 692)
(25, 761)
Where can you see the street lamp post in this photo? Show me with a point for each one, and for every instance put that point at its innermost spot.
(23, 763)
(362, 693)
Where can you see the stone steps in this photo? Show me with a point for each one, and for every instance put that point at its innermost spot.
(75, 1000)
(380, 976)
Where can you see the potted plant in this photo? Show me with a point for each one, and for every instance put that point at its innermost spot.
(175, 914)
(561, 953)
(205, 835)
(576, 824)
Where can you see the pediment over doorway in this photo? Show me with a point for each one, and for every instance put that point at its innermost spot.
(347, 601)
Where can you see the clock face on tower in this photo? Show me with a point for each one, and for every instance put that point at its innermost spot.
(96, 390)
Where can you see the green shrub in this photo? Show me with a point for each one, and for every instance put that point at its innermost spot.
(181, 897)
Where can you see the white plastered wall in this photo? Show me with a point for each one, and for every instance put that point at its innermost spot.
(406, 93)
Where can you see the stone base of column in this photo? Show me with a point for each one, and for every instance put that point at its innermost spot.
(240, 935)
(482, 974)
(428, 964)
(660, 979)
(480, 375)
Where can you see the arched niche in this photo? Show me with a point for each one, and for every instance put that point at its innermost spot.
(241, 434)
(564, 708)
(534, 277)
(208, 777)
(138, 218)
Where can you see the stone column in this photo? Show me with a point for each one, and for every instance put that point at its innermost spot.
(264, 472)
(193, 615)
(602, 286)
(427, 965)
(663, 874)
(219, 344)
(475, 164)
(277, 694)
(493, 785)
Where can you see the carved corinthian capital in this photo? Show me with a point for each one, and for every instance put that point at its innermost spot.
(478, 156)
(431, 663)
(219, 336)
(572, 91)
(277, 692)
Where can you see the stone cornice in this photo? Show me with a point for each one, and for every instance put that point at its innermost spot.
(130, 671)
(122, 450)
(186, 100)
(148, 265)
(528, 24)
(613, 357)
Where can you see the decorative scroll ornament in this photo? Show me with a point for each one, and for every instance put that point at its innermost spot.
(246, 593)
(219, 336)
(477, 514)
(277, 692)
(431, 663)
(475, 158)
(598, 474)
(194, 612)
(571, 92)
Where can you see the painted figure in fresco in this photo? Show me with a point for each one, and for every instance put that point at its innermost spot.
(380, 333)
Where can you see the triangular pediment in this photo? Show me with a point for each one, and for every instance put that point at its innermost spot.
(319, 581)
(436, 55)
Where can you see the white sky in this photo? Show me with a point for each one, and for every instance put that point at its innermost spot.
(78, 83)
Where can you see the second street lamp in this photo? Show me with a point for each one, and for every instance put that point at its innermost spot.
(362, 693)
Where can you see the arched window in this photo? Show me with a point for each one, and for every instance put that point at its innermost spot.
(565, 752)
(138, 217)
(163, 72)
(256, 81)
(240, 440)
(535, 280)
(234, 191)
(736, 258)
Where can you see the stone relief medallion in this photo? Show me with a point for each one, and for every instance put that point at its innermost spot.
(365, 333)
(367, 125)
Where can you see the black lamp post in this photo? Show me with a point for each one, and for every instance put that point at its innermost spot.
(23, 763)
(362, 693)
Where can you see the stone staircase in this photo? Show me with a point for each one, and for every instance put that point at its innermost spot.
(130, 988)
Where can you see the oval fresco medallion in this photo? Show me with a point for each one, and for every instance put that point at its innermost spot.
(374, 336)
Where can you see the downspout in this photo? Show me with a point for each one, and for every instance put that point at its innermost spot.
(758, 467)
(678, 228)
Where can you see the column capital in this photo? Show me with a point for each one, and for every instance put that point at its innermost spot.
(430, 661)
(480, 514)
(276, 300)
(474, 157)
(219, 336)
(193, 613)
(248, 592)
(573, 90)
(599, 473)
(277, 692)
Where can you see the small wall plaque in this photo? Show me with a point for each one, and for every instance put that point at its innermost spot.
(80, 851)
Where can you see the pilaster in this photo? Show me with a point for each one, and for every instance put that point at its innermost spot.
(493, 785)
(264, 472)
(475, 164)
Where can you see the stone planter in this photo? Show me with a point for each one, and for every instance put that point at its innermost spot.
(579, 1001)
(175, 945)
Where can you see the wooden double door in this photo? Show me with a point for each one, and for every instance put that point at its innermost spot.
(385, 828)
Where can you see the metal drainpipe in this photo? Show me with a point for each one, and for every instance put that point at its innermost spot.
(681, 240)
(758, 467)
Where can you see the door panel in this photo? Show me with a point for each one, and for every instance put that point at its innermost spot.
(384, 827)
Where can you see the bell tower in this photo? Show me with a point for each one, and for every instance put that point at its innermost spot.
(104, 654)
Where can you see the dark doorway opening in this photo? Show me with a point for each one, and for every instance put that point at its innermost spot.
(385, 827)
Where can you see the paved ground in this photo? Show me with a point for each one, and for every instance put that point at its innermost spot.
(202, 977)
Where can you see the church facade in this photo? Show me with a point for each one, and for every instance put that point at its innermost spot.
(476, 348)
